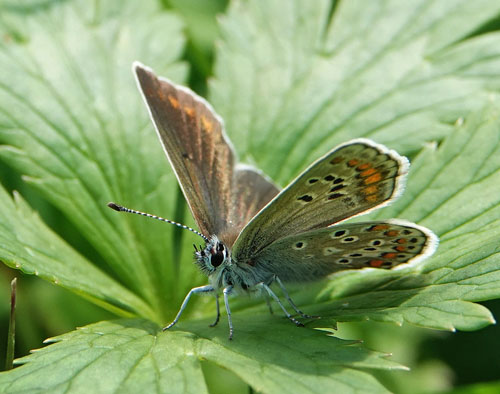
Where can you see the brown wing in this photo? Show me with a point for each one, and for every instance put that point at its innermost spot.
(193, 137)
(352, 178)
(252, 191)
(318, 253)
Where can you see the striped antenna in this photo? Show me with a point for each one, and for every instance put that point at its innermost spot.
(120, 208)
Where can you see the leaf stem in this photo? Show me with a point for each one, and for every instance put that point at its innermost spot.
(11, 336)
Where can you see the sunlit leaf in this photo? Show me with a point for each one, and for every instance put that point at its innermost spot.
(134, 355)
(292, 79)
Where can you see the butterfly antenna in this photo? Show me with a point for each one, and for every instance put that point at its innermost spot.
(120, 208)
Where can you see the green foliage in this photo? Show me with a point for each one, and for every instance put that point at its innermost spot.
(132, 355)
(383, 70)
(302, 75)
(440, 292)
(487, 388)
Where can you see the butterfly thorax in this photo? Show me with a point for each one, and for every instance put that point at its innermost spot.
(215, 261)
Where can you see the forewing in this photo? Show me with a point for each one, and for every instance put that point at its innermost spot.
(193, 137)
(318, 253)
(252, 191)
(353, 178)
(222, 197)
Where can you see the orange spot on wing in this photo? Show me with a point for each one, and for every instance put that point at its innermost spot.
(173, 101)
(370, 189)
(376, 263)
(364, 166)
(389, 255)
(400, 248)
(401, 241)
(337, 160)
(151, 92)
(371, 198)
(207, 125)
(391, 233)
(373, 178)
(379, 227)
(353, 162)
(368, 172)
(189, 111)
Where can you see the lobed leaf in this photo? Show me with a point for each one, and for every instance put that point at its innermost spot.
(73, 122)
(310, 76)
(133, 355)
(454, 191)
(398, 73)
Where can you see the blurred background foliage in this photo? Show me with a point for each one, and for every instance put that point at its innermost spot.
(461, 362)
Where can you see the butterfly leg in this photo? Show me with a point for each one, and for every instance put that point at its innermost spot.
(227, 290)
(275, 298)
(268, 302)
(289, 299)
(218, 311)
(201, 289)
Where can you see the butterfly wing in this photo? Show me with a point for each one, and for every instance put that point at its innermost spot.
(252, 191)
(193, 137)
(315, 254)
(353, 178)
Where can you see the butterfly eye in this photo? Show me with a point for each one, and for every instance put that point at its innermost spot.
(216, 259)
(217, 255)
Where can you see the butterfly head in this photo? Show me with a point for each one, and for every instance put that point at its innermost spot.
(213, 256)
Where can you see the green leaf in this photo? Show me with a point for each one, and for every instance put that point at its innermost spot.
(482, 388)
(299, 74)
(327, 81)
(72, 120)
(28, 244)
(439, 293)
(201, 31)
(398, 73)
(134, 355)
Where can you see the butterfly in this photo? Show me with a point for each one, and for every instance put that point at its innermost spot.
(257, 235)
